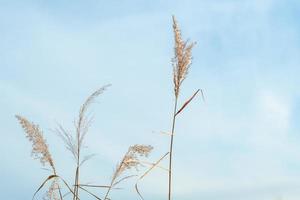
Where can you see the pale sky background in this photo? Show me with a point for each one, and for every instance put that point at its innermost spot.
(243, 143)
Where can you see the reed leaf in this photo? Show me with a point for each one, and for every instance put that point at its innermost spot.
(187, 102)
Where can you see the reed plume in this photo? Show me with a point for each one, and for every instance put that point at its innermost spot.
(182, 59)
(129, 161)
(40, 148)
(74, 145)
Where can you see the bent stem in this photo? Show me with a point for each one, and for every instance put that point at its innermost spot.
(114, 177)
(171, 148)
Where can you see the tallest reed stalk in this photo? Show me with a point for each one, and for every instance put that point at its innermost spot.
(181, 63)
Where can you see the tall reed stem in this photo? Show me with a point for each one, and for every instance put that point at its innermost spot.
(76, 184)
(171, 148)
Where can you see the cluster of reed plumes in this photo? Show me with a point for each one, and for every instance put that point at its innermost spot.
(74, 144)
(59, 188)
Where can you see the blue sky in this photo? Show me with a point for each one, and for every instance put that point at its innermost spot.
(242, 143)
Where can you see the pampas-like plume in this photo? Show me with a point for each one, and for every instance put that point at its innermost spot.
(129, 161)
(82, 125)
(83, 122)
(182, 59)
(39, 146)
(40, 151)
(75, 144)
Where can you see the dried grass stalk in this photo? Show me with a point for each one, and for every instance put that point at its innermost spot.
(82, 126)
(181, 63)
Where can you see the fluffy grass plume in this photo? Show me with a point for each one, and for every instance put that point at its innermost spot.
(75, 145)
(39, 145)
(182, 59)
(41, 152)
(129, 161)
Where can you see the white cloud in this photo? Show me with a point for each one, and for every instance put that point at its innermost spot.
(275, 109)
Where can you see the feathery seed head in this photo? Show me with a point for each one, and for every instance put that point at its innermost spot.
(131, 158)
(182, 59)
(39, 146)
(83, 122)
